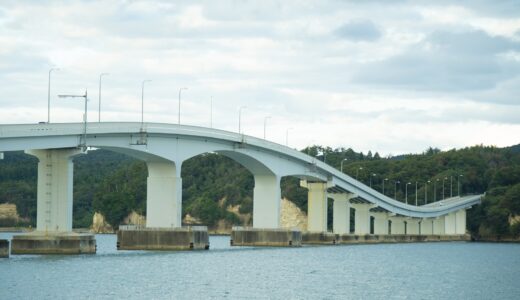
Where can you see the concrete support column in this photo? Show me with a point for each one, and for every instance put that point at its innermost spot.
(460, 219)
(397, 226)
(163, 195)
(266, 201)
(316, 206)
(412, 226)
(54, 194)
(362, 218)
(438, 225)
(427, 226)
(341, 212)
(380, 223)
(450, 223)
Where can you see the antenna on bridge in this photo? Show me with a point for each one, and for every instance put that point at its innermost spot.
(83, 142)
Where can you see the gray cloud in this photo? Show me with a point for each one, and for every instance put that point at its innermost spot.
(359, 31)
(445, 61)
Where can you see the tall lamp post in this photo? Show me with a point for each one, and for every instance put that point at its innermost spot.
(49, 95)
(99, 105)
(142, 102)
(451, 186)
(406, 192)
(83, 144)
(341, 164)
(426, 191)
(395, 189)
(372, 175)
(179, 112)
(443, 180)
(265, 123)
(240, 118)
(386, 179)
(416, 193)
(287, 136)
(357, 172)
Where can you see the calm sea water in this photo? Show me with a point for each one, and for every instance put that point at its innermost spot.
(396, 271)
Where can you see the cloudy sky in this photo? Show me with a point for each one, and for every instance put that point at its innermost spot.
(387, 76)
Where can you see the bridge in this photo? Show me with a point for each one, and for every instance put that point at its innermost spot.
(164, 148)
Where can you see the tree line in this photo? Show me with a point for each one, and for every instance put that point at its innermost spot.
(115, 184)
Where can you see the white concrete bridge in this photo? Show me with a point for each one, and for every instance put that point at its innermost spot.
(164, 147)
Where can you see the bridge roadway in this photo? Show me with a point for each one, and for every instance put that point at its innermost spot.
(164, 147)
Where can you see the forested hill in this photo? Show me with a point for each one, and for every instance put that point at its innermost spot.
(115, 185)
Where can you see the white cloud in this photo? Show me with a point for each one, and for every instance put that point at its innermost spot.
(405, 77)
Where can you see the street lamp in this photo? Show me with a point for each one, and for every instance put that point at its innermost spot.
(341, 164)
(395, 189)
(83, 144)
(372, 175)
(179, 112)
(49, 95)
(240, 117)
(435, 190)
(142, 102)
(426, 192)
(287, 136)
(265, 123)
(451, 186)
(99, 107)
(443, 180)
(406, 192)
(416, 193)
(458, 184)
(357, 172)
(386, 179)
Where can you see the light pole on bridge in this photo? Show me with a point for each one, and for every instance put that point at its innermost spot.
(341, 164)
(372, 175)
(357, 172)
(426, 191)
(443, 180)
(386, 179)
(240, 118)
(179, 112)
(83, 144)
(265, 124)
(406, 192)
(416, 193)
(458, 184)
(395, 189)
(99, 104)
(142, 102)
(49, 95)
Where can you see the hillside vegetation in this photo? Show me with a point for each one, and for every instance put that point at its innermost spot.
(115, 184)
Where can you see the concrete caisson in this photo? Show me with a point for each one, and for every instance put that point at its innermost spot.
(183, 238)
(56, 243)
(245, 236)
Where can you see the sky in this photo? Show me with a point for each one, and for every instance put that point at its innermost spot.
(392, 77)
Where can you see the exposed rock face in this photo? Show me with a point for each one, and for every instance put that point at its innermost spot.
(8, 211)
(189, 220)
(292, 216)
(134, 219)
(99, 225)
(513, 220)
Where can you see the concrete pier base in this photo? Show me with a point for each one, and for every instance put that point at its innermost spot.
(55, 243)
(399, 238)
(4, 248)
(244, 236)
(183, 238)
(319, 238)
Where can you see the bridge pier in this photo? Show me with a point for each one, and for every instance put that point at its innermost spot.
(397, 226)
(412, 226)
(163, 229)
(380, 223)
(426, 226)
(53, 233)
(341, 212)
(438, 226)
(266, 218)
(460, 221)
(450, 224)
(362, 218)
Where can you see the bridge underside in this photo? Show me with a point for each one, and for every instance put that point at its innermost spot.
(373, 214)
